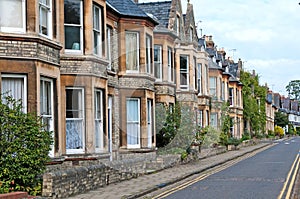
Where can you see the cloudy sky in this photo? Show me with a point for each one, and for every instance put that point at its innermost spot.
(265, 34)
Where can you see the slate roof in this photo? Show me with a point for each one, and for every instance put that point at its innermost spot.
(213, 65)
(233, 69)
(161, 10)
(211, 52)
(128, 8)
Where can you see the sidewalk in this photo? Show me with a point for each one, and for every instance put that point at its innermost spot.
(142, 185)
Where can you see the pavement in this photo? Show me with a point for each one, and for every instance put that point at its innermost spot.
(142, 186)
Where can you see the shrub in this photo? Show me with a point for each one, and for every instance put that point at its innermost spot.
(24, 148)
(279, 131)
(233, 141)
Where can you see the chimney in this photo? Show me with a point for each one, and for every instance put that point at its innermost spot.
(136, 1)
(209, 42)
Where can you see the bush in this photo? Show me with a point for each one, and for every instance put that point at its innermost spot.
(278, 131)
(24, 148)
(233, 141)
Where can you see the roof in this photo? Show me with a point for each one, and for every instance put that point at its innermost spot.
(128, 8)
(161, 10)
(233, 69)
(213, 65)
(211, 51)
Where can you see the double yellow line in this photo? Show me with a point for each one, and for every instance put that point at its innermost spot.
(290, 180)
(203, 176)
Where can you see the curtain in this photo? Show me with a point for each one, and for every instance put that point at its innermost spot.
(11, 13)
(131, 51)
(132, 122)
(14, 87)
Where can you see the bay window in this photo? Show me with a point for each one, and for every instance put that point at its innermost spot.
(12, 16)
(97, 27)
(170, 65)
(75, 137)
(99, 135)
(148, 54)
(45, 23)
(199, 78)
(132, 51)
(47, 106)
(15, 86)
(184, 72)
(73, 23)
(133, 122)
(158, 61)
(108, 46)
(149, 122)
(213, 86)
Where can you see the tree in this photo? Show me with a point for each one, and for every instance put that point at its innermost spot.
(293, 89)
(254, 97)
(281, 119)
(24, 148)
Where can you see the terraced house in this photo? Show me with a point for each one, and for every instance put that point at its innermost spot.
(96, 70)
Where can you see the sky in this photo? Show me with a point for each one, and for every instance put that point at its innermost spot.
(265, 34)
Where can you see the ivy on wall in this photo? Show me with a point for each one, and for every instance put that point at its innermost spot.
(254, 97)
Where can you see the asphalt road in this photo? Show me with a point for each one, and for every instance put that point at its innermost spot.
(262, 176)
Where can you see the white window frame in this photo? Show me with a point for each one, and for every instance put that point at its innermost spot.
(79, 151)
(43, 106)
(149, 121)
(231, 96)
(98, 49)
(148, 54)
(158, 62)
(110, 126)
(137, 145)
(75, 51)
(170, 65)
(137, 52)
(200, 118)
(98, 107)
(213, 88)
(15, 29)
(48, 9)
(214, 120)
(17, 76)
(185, 71)
(108, 46)
(199, 78)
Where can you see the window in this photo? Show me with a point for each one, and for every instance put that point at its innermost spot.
(200, 118)
(148, 54)
(12, 15)
(231, 97)
(99, 135)
(206, 79)
(213, 86)
(45, 26)
(149, 122)
(184, 72)
(177, 24)
(132, 51)
(75, 137)
(109, 125)
(191, 30)
(232, 127)
(214, 120)
(207, 118)
(199, 78)
(108, 45)
(158, 62)
(170, 65)
(46, 106)
(195, 73)
(133, 122)
(73, 25)
(97, 15)
(223, 90)
(16, 87)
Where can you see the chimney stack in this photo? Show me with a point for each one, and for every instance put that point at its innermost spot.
(136, 1)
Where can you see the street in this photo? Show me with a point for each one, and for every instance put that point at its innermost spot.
(261, 176)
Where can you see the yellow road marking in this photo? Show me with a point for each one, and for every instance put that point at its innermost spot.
(288, 178)
(205, 175)
(288, 195)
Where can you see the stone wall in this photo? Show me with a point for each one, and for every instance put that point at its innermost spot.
(61, 181)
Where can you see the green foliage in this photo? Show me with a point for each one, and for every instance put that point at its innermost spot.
(224, 138)
(254, 97)
(246, 136)
(233, 141)
(293, 89)
(168, 121)
(226, 121)
(281, 119)
(24, 148)
(279, 131)
(212, 137)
